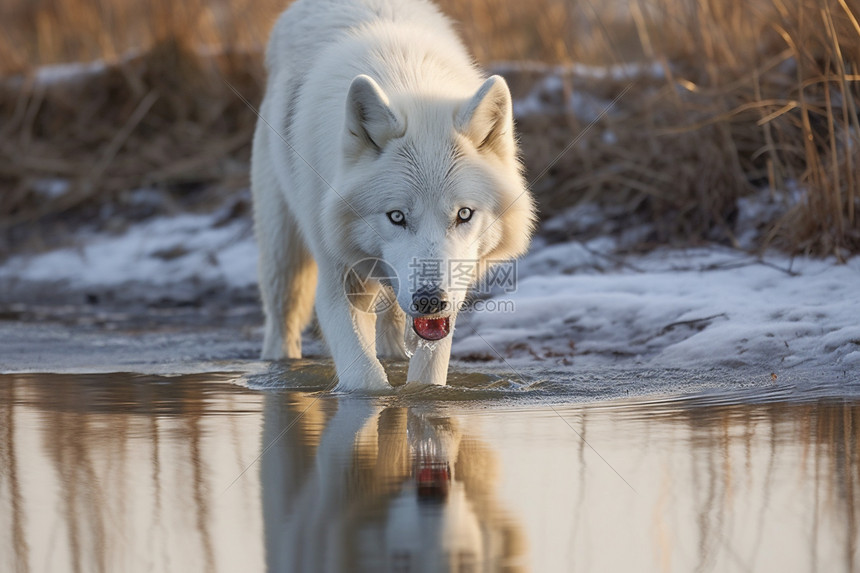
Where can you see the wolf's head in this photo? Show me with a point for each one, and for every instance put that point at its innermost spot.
(432, 185)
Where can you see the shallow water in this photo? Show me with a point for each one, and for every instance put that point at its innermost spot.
(124, 472)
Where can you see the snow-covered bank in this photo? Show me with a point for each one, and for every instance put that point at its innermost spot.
(576, 304)
(200, 250)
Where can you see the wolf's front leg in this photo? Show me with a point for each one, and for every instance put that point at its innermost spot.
(350, 335)
(429, 362)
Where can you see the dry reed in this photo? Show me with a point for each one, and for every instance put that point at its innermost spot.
(750, 96)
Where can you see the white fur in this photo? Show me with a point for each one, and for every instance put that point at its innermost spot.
(373, 106)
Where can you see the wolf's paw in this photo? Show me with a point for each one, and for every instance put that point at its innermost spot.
(277, 347)
(371, 379)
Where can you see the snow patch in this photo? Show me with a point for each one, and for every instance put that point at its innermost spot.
(672, 309)
(624, 71)
(51, 188)
(757, 210)
(551, 96)
(160, 252)
(64, 73)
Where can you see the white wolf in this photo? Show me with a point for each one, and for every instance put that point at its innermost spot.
(379, 138)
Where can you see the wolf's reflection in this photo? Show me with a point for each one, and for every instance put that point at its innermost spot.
(353, 486)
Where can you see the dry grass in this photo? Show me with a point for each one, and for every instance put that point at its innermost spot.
(753, 95)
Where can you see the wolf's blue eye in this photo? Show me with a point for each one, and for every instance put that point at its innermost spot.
(464, 214)
(397, 217)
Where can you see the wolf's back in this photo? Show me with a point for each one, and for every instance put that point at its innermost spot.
(307, 26)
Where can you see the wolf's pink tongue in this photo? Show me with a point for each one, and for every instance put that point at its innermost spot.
(431, 328)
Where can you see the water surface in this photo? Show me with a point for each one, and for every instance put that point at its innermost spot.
(123, 472)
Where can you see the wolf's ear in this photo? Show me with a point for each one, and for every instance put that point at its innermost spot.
(370, 121)
(487, 118)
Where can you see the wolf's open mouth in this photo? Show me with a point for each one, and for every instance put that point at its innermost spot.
(432, 328)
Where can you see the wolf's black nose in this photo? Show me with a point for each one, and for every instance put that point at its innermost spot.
(430, 299)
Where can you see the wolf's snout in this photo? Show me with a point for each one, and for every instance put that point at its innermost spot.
(430, 299)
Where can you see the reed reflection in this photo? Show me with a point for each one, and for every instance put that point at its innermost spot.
(353, 486)
(118, 472)
(754, 484)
